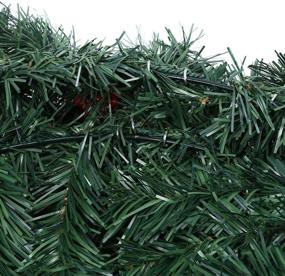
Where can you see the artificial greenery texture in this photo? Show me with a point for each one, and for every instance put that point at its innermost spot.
(167, 162)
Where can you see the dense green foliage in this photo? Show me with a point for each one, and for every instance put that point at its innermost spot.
(183, 175)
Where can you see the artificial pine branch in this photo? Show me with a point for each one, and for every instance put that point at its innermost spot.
(137, 159)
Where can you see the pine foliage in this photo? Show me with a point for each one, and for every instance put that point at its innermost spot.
(173, 166)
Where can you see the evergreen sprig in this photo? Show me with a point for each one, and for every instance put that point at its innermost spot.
(172, 164)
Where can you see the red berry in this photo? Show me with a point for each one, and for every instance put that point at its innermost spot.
(81, 103)
(114, 100)
(77, 101)
(98, 98)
